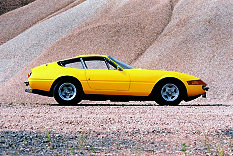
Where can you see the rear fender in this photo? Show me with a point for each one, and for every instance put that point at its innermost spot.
(70, 78)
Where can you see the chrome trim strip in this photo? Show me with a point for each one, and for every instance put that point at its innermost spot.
(83, 63)
(28, 90)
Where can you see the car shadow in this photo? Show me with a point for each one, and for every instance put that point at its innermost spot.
(142, 105)
(206, 105)
(116, 105)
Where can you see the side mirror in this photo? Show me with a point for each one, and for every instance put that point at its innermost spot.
(119, 68)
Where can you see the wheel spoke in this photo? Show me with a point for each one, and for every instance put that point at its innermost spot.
(63, 93)
(169, 98)
(67, 96)
(173, 89)
(174, 94)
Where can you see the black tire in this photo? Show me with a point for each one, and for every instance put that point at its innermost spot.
(67, 92)
(169, 92)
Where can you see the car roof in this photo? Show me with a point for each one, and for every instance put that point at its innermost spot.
(92, 55)
(83, 56)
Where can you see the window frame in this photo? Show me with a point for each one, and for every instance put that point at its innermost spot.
(73, 60)
(106, 60)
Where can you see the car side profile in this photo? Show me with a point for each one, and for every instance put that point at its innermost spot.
(100, 77)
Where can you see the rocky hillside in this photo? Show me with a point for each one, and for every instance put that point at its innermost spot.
(190, 36)
(9, 5)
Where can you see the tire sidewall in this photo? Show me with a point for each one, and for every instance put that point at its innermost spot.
(75, 100)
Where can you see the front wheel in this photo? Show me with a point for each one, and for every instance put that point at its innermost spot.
(169, 93)
(67, 93)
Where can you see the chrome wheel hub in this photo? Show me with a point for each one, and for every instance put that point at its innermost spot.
(67, 91)
(170, 92)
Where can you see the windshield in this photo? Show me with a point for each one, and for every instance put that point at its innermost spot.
(121, 64)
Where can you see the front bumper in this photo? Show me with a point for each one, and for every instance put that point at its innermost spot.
(205, 88)
(201, 93)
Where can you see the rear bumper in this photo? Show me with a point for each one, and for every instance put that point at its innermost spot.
(28, 90)
(26, 83)
(36, 91)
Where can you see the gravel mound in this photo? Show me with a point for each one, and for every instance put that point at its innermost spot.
(112, 34)
(15, 22)
(199, 41)
(194, 37)
(9, 5)
(21, 50)
(123, 29)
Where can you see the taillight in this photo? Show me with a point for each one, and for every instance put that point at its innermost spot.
(196, 82)
(29, 74)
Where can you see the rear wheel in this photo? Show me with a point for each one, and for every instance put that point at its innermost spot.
(169, 93)
(67, 92)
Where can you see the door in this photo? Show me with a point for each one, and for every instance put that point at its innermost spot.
(102, 74)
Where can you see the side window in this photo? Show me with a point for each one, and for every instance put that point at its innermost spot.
(77, 65)
(96, 64)
(73, 63)
(99, 63)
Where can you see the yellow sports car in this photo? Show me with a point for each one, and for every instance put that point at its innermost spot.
(100, 77)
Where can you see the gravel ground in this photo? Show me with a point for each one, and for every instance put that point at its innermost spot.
(116, 129)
